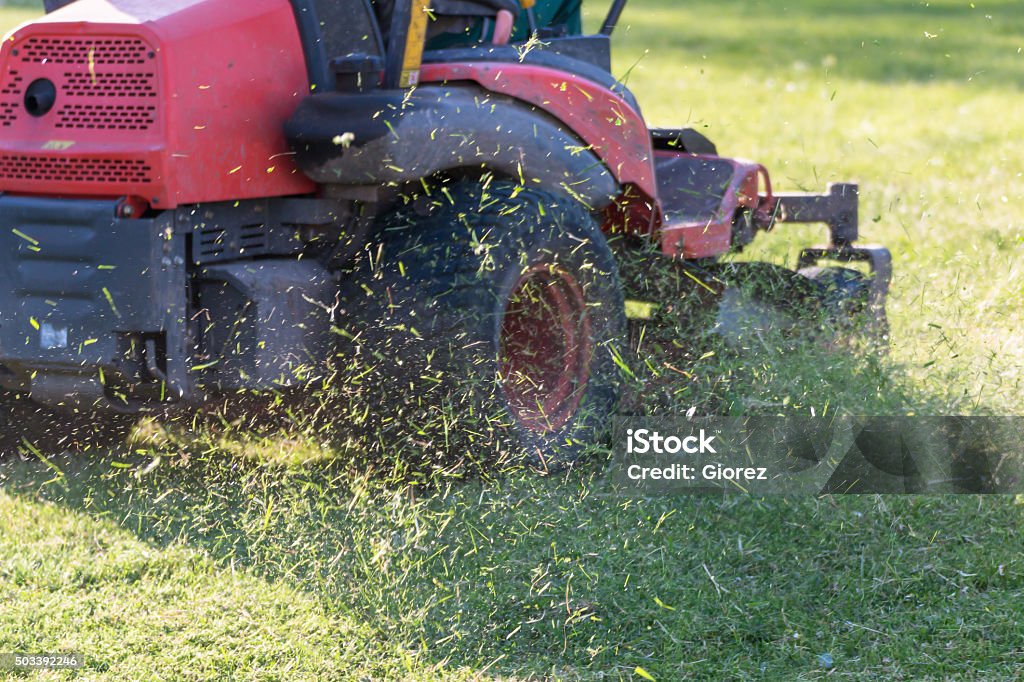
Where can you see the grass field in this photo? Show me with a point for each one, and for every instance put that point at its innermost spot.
(213, 556)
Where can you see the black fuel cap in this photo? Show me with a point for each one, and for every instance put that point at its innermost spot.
(40, 97)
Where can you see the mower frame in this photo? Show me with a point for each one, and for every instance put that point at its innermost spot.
(337, 141)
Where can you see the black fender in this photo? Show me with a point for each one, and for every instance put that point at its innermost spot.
(383, 137)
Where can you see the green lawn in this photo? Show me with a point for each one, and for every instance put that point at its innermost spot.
(202, 556)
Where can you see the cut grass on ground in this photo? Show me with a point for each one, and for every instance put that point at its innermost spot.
(260, 573)
(185, 560)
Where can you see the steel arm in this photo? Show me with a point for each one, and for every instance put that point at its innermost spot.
(838, 209)
(613, 17)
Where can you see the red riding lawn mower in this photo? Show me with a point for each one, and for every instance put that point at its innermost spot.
(203, 198)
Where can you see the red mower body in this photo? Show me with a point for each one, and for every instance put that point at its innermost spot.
(171, 102)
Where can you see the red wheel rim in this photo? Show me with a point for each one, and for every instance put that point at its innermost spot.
(545, 348)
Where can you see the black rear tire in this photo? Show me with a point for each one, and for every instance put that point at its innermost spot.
(486, 326)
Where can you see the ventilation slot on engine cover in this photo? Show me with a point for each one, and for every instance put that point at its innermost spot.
(252, 239)
(94, 52)
(211, 243)
(109, 85)
(72, 169)
(106, 117)
(9, 108)
(8, 113)
(217, 243)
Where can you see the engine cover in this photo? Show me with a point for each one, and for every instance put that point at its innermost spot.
(176, 102)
